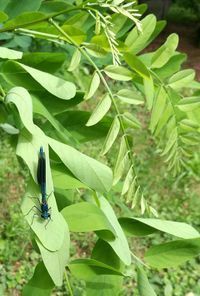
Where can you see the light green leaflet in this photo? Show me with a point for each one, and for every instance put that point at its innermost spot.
(57, 86)
(75, 61)
(144, 287)
(101, 109)
(6, 53)
(137, 65)
(56, 261)
(158, 108)
(136, 41)
(162, 55)
(111, 136)
(88, 170)
(182, 79)
(189, 104)
(130, 96)
(149, 92)
(118, 73)
(93, 86)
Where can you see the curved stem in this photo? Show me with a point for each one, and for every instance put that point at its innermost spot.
(68, 284)
(85, 54)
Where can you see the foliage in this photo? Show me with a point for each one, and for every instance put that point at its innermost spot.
(37, 105)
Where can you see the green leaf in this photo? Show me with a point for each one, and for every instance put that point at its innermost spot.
(39, 108)
(6, 53)
(121, 161)
(158, 108)
(101, 109)
(160, 25)
(171, 67)
(85, 217)
(40, 284)
(3, 16)
(88, 170)
(144, 226)
(136, 65)
(189, 104)
(75, 34)
(93, 86)
(144, 287)
(56, 261)
(86, 269)
(118, 73)
(22, 100)
(95, 50)
(52, 7)
(105, 285)
(149, 92)
(130, 97)
(14, 8)
(111, 136)
(42, 60)
(9, 129)
(57, 86)
(63, 178)
(162, 55)
(22, 20)
(173, 253)
(130, 120)
(136, 41)
(75, 61)
(119, 244)
(182, 79)
(127, 181)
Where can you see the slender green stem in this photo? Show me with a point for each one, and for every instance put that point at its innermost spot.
(68, 284)
(85, 54)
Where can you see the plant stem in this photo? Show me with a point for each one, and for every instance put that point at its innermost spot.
(68, 284)
(85, 54)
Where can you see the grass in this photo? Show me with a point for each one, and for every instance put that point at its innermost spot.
(174, 198)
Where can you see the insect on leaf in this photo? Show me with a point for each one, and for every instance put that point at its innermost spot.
(101, 109)
(111, 136)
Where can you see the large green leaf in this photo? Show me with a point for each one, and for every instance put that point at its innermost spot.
(119, 244)
(137, 65)
(162, 55)
(57, 86)
(39, 108)
(144, 287)
(105, 285)
(43, 60)
(101, 109)
(130, 96)
(23, 20)
(86, 169)
(56, 261)
(85, 216)
(63, 178)
(22, 100)
(40, 284)
(14, 8)
(136, 41)
(6, 53)
(173, 253)
(86, 269)
(144, 226)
